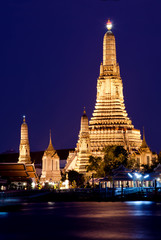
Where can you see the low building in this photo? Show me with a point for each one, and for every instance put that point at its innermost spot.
(18, 173)
(50, 165)
(144, 156)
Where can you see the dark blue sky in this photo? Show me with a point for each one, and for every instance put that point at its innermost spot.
(50, 53)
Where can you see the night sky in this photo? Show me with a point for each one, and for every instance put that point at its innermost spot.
(50, 54)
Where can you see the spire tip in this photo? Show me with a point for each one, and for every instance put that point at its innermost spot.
(109, 25)
(84, 112)
(24, 118)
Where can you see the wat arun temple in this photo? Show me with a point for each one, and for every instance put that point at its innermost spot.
(109, 124)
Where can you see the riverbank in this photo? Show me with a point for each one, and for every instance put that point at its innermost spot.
(79, 195)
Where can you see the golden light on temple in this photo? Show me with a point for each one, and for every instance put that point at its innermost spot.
(109, 25)
(24, 118)
(109, 124)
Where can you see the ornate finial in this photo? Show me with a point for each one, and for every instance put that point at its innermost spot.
(144, 144)
(109, 25)
(24, 118)
(50, 133)
(50, 147)
(50, 142)
(84, 112)
(143, 134)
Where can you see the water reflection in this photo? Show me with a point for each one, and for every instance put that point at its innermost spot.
(3, 214)
(111, 235)
(87, 220)
(139, 202)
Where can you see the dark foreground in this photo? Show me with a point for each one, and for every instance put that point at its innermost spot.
(82, 195)
(82, 220)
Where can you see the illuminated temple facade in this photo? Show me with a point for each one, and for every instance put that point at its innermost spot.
(109, 124)
(50, 165)
(24, 148)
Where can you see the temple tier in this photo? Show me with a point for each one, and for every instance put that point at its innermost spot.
(110, 124)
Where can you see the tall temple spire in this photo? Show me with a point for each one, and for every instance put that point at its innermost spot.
(84, 122)
(24, 148)
(109, 47)
(144, 144)
(83, 145)
(110, 124)
(50, 147)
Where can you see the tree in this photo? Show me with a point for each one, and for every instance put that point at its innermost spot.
(159, 157)
(63, 176)
(95, 166)
(114, 156)
(74, 184)
(74, 176)
(149, 169)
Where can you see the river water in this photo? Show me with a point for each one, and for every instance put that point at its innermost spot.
(82, 220)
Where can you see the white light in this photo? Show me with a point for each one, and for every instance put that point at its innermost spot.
(33, 185)
(146, 176)
(109, 25)
(130, 175)
(51, 203)
(138, 175)
(65, 184)
(139, 202)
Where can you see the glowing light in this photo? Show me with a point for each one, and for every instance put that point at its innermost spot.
(51, 203)
(109, 25)
(24, 118)
(3, 213)
(139, 202)
(51, 183)
(138, 175)
(65, 184)
(146, 176)
(130, 175)
(33, 185)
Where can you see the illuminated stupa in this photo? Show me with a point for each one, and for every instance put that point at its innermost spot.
(110, 124)
(24, 148)
(83, 146)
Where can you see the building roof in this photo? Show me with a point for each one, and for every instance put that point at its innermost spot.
(121, 169)
(50, 148)
(158, 168)
(36, 157)
(17, 171)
